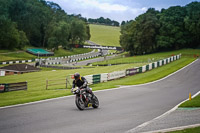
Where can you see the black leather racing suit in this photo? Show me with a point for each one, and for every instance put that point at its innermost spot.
(82, 83)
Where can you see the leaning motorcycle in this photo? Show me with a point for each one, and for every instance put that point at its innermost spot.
(84, 99)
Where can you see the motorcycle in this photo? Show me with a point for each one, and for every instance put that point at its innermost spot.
(84, 99)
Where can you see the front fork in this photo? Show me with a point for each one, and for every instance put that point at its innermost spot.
(85, 100)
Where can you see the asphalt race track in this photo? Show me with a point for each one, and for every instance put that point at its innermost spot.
(120, 109)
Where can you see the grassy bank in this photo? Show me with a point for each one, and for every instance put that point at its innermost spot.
(105, 35)
(149, 57)
(195, 102)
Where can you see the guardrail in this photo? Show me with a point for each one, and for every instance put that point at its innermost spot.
(97, 78)
(13, 86)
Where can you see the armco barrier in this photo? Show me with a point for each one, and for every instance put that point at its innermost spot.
(160, 62)
(144, 68)
(116, 75)
(147, 67)
(13, 86)
(140, 69)
(2, 87)
(132, 71)
(153, 65)
(89, 79)
(92, 79)
(150, 66)
(104, 77)
(96, 78)
(172, 58)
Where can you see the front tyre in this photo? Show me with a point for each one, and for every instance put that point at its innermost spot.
(80, 105)
(95, 102)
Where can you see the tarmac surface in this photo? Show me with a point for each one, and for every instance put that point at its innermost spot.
(87, 62)
(178, 118)
(122, 109)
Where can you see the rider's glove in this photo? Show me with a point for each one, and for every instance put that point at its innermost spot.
(72, 90)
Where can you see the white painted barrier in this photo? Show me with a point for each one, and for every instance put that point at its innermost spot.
(89, 78)
(168, 60)
(178, 56)
(150, 66)
(165, 60)
(160, 63)
(155, 65)
(2, 73)
(104, 77)
(116, 74)
(172, 58)
(144, 68)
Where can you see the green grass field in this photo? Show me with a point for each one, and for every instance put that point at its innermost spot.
(25, 56)
(149, 57)
(195, 102)
(37, 80)
(190, 130)
(105, 35)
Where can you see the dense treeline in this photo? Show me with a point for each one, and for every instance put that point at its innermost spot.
(39, 23)
(104, 21)
(173, 28)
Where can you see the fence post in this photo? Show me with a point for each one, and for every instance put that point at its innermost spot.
(46, 84)
(26, 85)
(66, 83)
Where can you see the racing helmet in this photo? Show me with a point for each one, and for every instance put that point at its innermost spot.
(76, 76)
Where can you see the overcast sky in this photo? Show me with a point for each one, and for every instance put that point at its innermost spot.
(118, 10)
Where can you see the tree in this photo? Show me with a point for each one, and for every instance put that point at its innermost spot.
(40, 23)
(23, 40)
(59, 36)
(78, 32)
(172, 31)
(139, 36)
(123, 23)
(127, 37)
(192, 24)
(9, 35)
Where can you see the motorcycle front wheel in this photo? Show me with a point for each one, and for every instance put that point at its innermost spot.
(95, 102)
(80, 104)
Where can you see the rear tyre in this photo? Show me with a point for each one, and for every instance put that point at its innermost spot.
(95, 102)
(80, 105)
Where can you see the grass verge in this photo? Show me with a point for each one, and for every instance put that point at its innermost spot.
(195, 102)
(189, 130)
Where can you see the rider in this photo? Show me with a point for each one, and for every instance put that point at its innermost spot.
(81, 82)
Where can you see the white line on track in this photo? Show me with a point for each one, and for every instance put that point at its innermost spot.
(11, 106)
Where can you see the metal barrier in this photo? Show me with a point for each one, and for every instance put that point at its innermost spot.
(13, 86)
